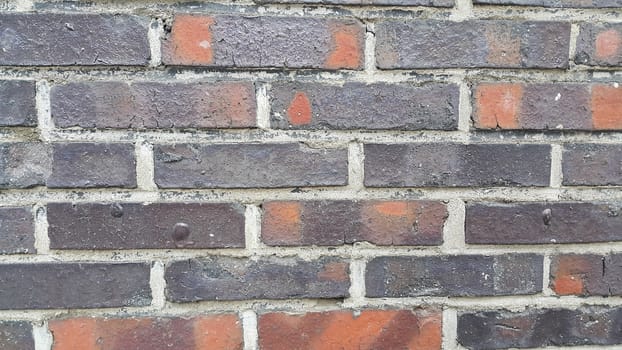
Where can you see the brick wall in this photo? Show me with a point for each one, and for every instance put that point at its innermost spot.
(310, 174)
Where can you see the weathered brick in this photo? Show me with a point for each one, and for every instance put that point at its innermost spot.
(537, 328)
(220, 331)
(87, 165)
(586, 275)
(17, 103)
(369, 329)
(435, 3)
(248, 165)
(16, 335)
(17, 230)
(154, 105)
(600, 44)
(364, 106)
(74, 285)
(264, 42)
(50, 39)
(502, 44)
(139, 226)
(456, 165)
(547, 106)
(540, 222)
(456, 275)
(554, 3)
(24, 164)
(228, 278)
(591, 164)
(287, 223)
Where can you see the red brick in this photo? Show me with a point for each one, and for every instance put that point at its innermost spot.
(364, 330)
(606, 107)
(198, 333)
(587, 274)
(289, 223)
(600, 44)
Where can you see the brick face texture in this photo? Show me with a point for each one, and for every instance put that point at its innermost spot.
(310, 174)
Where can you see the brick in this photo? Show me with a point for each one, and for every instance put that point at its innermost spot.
(264, 42)
(216, 331)
(600, 44)
(154, 105)
(248, 165)
(290, 223)
(587, 274)
(554, 3)
(364, 106)
(535, 328)
(547, 106)
(16, 335)
(365, 330)
(591, 164)
(74, 285)
(24, 164)
(141, 226)
(17, 103)
(456, 165)
(49, 39)
(541, 222)
(17, 230)
(487, 44)
(456, 275)
(434, 3)
(87, 165)
(229, 278)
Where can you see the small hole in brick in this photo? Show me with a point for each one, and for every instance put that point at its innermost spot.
(547, 214)
(116, 210)
(181, 231)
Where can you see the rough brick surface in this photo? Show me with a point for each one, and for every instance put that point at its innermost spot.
(456, 275)
(435, 3)
(270, 42)
(47, 39)
(87, 165)
(540, 223)
(371, 329)
(592, 164)
(600, 44)
(287, 223)
(16, 335)
(361, 106)
(17, 103)
(439, 44)
(154, 105)
(133, 225)
(456, 165)
(547, 106)
(24, 164)
(536, 328)
(587, 274)
(74, 285)
(249, 165)
(17, 230)
(222, 331)
(227, 278)
(555, 3)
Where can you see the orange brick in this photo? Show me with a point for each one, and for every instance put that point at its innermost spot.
(606, 107)
(498, 106)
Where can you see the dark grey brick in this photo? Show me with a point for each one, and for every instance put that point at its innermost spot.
(592, 165)
(534, 328)
(554, 3)
(248, 165)
(586, 274)
(16, 335)
(540, 223)
(364, 106)
(139, 226)
(17, 103)
(434, 3)
(458, 275)
(600, 44)
(456, 165)
(87, 165)
(50, 39)
(17, 230)
(503, 44)
(24, 164)
(228, 278)
(74, 285)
